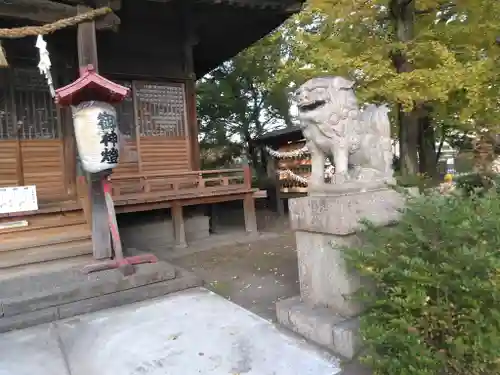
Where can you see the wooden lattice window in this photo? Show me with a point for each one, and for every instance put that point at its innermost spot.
(161, 109)
(27, 110)
(7, 122)
(125, 113)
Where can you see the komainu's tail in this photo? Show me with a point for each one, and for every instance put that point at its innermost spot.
(377, 118)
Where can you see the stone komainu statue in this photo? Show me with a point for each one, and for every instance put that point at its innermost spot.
(334, 126)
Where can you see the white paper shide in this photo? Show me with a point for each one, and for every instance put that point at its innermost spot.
(97, 136)
(44, 64)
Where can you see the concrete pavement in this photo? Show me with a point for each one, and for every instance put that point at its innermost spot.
(190, 332)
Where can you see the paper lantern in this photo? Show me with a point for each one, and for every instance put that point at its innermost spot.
(97, 136)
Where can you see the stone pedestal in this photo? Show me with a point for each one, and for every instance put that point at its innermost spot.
(325, 222)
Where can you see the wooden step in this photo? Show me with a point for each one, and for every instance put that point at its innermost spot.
(43, 237)
(45, 253)
(51, 220)
(49, 266)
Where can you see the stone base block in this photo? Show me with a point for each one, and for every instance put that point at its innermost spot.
(32, 300)
(320, 325)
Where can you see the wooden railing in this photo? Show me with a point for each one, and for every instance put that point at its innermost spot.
(180, 183)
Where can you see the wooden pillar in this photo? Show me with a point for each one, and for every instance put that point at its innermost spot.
(101, 240)
(249, 202)
(179, 227)
(69, 150)
(249, 212)
(193, 125)
(87, 46)
(190, 40)
(214, 217)
(17, 129)
(275, 188)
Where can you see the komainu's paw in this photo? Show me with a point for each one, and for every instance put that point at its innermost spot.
(340, 178)
(368, 174)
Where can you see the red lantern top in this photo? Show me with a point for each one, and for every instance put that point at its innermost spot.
(91, 86)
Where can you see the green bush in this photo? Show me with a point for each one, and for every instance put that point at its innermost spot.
(421, 181)
(478, 184)
(434, 304)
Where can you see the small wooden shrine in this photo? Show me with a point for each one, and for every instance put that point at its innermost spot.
(289, 164)
(154, 48)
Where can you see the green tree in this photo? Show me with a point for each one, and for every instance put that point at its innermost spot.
(241, 99)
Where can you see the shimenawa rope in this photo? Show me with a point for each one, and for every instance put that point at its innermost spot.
(22, 32)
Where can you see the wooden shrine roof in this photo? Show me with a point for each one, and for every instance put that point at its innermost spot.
(223, 27)
(281, 137)
(233, 25)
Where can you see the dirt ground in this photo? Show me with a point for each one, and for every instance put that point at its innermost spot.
(257, 274)
(253, 275)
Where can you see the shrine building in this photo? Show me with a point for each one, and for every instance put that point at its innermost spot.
(155, 48)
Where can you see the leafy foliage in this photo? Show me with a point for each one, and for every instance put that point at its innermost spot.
(434, 308)
(240, 100)
(451, 73)
(421, 181)
(453, 53)
(438, 59)
(478, 183)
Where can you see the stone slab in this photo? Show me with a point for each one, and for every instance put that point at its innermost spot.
(183, 280)
(191, 332)
(320, 325)
(186, 281)
(340, 213)
(75, 286)
(31, 352)
(29, 319)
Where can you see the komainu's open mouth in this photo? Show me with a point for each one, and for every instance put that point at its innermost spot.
(310, 106)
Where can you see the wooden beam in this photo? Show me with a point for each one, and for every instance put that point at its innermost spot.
(75, 2)
(113, 4)
(46, 11)
(280, 5)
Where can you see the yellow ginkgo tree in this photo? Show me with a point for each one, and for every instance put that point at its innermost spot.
(433, 61)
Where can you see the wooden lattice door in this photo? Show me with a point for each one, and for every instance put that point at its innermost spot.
(31, 141)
